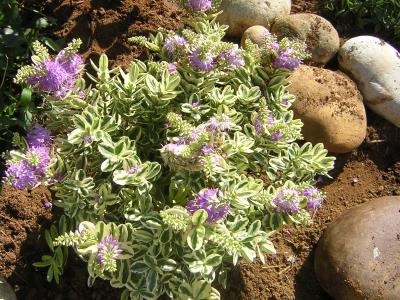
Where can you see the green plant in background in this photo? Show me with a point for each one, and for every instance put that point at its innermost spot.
(16, 38)
(172, 171)
(382, 15)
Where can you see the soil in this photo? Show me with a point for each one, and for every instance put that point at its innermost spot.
(371, 171)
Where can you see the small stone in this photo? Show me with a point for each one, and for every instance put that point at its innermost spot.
(256, 34)
(321, 37)
(6, 291)
(331, 108)
(375, 66)
(358, 257)
(242, 14)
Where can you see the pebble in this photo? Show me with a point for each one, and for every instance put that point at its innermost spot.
(6, 291)
(242, 14)
(375, 66)
(331, 108)
(321, 37)
(358, 257)
(256, 34)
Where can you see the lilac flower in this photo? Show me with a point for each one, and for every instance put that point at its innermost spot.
(207, 149)
(48, 204)
(200, 5)
(196, 104)
(171, 68)
(285, 101)
(87, 139)
(221, 124)
(72, 63)
(276, 136)
(286, 60)
(108, 251)
(21, 175)
(314, 198)
(57, 76)
(232, 57)
(172, 43)
(209, 200)
(287, 201)
(204, 64)
(259, 127)
(38, 158)
(38, 136)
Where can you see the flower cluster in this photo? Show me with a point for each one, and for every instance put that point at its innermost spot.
(29, 168)
(55, 76)
(200, 5)
(314, 197)
(108, 252)
(211, 201)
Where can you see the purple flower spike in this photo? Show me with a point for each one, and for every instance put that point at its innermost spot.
(209, 200)
(204, 64)
(38, 136)
(171, 68)
(207, 149)
(258, 126)
(287, 201)
(233, 57)
(22, 175)
(286, 60)
(38, 158)
(173, 43)
(200, 5)
(276, 136)
(108, 251)
(57, 77)
(314, 198)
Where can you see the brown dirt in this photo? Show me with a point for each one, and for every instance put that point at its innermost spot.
(105, 26)
(373, 170)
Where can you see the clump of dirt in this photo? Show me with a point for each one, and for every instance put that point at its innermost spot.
(23, 219)
(105, 26)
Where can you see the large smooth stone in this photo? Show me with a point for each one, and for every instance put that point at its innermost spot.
(358, 256)
(321, 37)
(6, 291)
(330, 107)
(256, 34)
(242, 14)
(375, 66)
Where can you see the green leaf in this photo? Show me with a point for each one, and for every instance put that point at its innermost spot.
(199, 217)
(195, 237)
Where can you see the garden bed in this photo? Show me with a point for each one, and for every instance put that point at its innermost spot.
(372, 170)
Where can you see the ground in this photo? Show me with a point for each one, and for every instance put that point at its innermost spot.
(371, 171)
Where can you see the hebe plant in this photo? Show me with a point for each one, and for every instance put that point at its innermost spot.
(173, 170)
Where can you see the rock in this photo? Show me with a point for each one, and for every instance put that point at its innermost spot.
(358, 257)
(242, 14)
(330, 107)
(256, 34)
(318, 33)
(6, 291)
(375, 66)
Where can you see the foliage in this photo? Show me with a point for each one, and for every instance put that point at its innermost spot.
(382, 15)
(173, 170)
(16, 38)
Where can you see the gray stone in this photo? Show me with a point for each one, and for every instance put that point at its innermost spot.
(331, 108)
(358, 255)
(6, 291)
(321, 37)
(242, 14)
(375, 66)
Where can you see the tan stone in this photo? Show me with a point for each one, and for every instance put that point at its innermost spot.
(242, 14)
(358, 257)
(256, 34)
(318, 33)
(330, 107)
